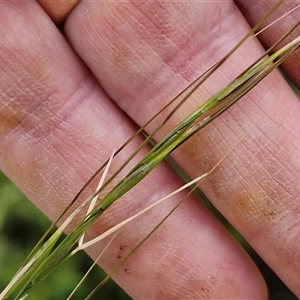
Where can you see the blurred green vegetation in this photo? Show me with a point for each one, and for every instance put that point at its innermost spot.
(21, 226)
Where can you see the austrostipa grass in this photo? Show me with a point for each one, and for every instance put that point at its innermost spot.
(193, 184)
(179, 135)
(51, 253)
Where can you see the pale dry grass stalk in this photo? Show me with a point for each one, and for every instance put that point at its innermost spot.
(48, 255)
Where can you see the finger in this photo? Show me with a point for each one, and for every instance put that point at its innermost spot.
(57, 127)
(254, 12)
(144, 54)
(57, 10)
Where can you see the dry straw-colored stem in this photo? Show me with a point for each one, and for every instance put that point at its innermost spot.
(45, 257)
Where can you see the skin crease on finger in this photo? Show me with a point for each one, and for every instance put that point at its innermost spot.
(143, 54)
(57, 126)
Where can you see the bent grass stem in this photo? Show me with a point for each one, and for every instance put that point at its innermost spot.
(42, 260)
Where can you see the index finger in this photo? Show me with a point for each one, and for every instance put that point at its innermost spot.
(57, 125)
(168, 46)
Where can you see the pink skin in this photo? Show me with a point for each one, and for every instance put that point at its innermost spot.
(255, 11)
(58, 9)
(58, 123)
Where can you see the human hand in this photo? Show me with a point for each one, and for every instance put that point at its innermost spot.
(59, 123)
